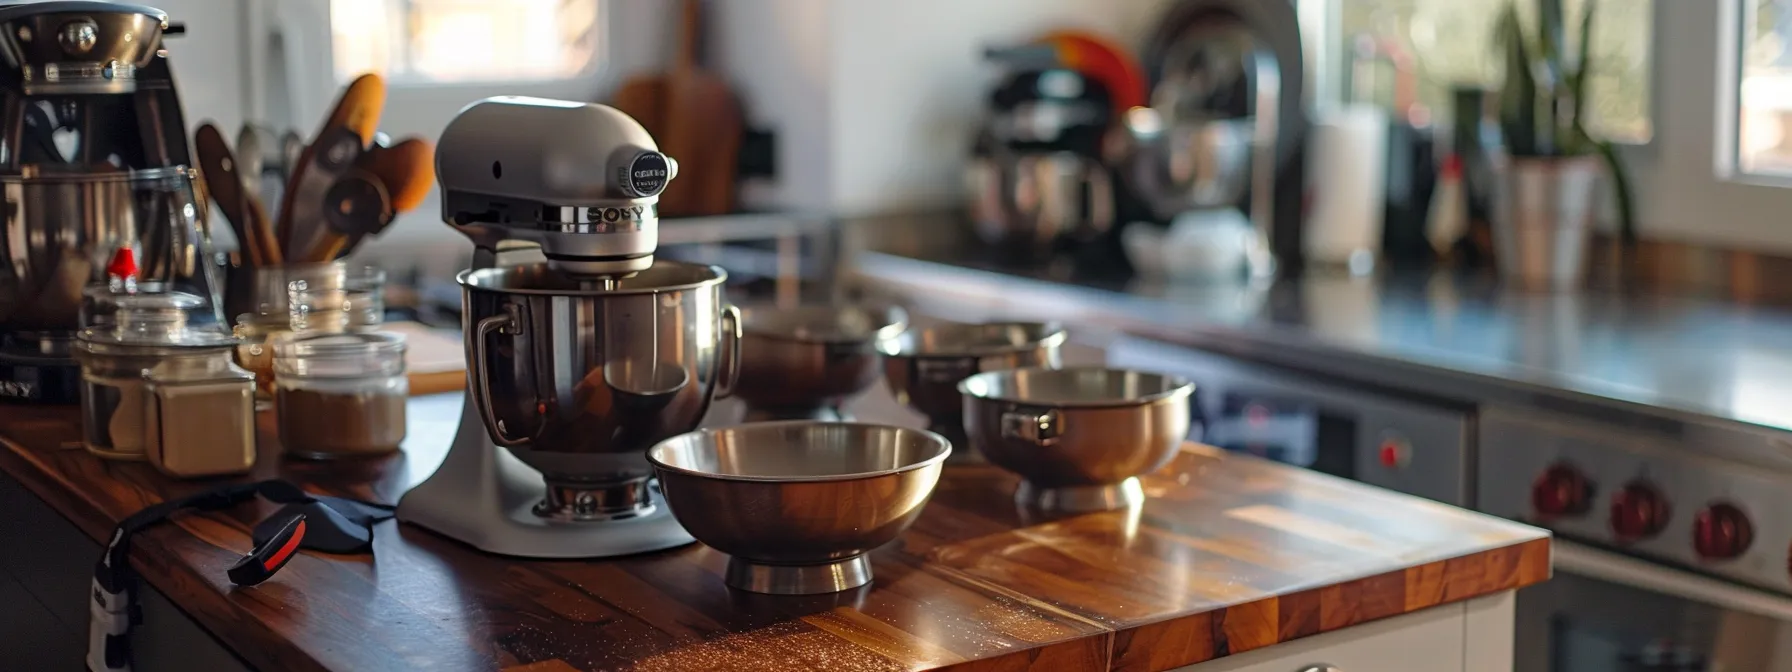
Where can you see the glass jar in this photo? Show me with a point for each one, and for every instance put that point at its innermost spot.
(275, 314)
(341, 395)
(364, 298)
(155, 388)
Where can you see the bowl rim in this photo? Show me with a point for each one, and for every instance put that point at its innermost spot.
(936, 459)
(896, 325)
(1055, 337)
(718, 277)
(1181, 387)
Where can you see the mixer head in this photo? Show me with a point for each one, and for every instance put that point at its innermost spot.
(580, 179)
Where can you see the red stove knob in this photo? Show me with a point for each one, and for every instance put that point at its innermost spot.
(1639, 511)
(1561, 491)
(1721, 532)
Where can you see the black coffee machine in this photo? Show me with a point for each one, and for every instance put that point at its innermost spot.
(93, 158)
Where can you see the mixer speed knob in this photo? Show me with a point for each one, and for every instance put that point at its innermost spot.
(643, 173)
(1721, 532)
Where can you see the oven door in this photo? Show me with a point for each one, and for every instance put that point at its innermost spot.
(1399, 443)
(1605, 612)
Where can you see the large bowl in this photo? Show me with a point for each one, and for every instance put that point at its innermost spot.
(796, 505)
(923, 366)
(578, 380)
(1079, 438)
(803, 362)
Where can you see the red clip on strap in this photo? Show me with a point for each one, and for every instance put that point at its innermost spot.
(268, 558)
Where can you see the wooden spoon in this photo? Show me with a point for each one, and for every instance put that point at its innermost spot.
(225, 186)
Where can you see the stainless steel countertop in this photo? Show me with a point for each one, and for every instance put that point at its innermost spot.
(1676, 359)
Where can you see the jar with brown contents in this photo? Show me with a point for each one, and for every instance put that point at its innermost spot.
(340, 395)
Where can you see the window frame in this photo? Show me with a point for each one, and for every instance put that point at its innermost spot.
(1686, 182)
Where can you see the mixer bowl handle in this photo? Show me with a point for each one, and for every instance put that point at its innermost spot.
(480, 382)
(729, 373)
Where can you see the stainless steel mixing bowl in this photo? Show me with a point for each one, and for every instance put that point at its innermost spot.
(796, 505)
(923, 366)
(62, 230)
(1078, 437)
(803, 362)
(577, 379)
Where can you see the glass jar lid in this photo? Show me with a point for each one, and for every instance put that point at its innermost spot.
(155, 320)
(352, 354)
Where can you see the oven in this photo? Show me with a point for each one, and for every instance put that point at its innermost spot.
(1400, 442)
(1667, 558)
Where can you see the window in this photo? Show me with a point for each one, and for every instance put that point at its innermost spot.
(1764, 126)
(459, 41)
(1452, 42)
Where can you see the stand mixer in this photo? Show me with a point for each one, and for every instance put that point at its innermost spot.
(93, 158)
(576, 365)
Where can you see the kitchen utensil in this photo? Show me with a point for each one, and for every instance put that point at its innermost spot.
(250, 159)
(1079, 438)
(796, 505)
(406, 171)
(241, 208)
(92, 128)
(291, 148)
(803, 362)
(330, 199)
(356, 206)
(576, 365)
(703, 118)
(357, 112)
(1026, 203)
(923, 366)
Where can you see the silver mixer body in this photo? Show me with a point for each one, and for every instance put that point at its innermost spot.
(579, 364)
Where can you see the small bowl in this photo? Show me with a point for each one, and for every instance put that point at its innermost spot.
(803, 362)
(1079, 438)
(923, 366)
(796, 505)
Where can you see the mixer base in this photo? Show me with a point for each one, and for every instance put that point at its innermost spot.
(485, 497)
(832, 577)
(1081, 499)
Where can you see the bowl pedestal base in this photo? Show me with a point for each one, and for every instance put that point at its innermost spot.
(798, 579)
(1081, 498)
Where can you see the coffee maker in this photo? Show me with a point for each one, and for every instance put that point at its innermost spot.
(578, 363)
(93, 158)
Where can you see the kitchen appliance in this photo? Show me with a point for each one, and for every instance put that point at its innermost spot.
(802, 363)
(923, 366)
(1671, 550)
(93, 158)
(1268, 38)
(576, 365)
(796, 505)
(1080, 438)
(1409, 444)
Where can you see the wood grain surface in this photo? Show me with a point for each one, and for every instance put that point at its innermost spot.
(1230, 554)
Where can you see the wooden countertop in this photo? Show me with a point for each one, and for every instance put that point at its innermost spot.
(1231, 553)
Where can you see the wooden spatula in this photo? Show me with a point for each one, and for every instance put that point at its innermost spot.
(225, 185)
(703, 129)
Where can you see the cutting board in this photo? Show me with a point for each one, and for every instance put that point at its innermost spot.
(435, 360)
(697, 121)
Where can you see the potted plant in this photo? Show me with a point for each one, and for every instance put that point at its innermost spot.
(1544, 203)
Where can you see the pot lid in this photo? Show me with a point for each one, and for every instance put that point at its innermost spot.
(156, 320)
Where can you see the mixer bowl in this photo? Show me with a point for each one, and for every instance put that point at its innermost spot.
(796, 505)
(1079, 438)
(577, 380)
(803, 362)
(923, 366)
(62, 230)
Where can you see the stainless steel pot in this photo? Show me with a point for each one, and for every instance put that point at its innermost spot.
(803, 362)
(923, 366)
(1079, 437)
(1027, 201)
(62, 230)
(578, 378)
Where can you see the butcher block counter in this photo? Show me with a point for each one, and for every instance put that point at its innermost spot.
(1229, 555)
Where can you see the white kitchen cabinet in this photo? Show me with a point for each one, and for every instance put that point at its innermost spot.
(1474, 636)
